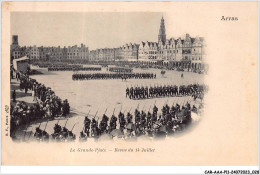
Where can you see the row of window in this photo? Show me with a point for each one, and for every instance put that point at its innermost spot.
(152, 57)
(199, 58)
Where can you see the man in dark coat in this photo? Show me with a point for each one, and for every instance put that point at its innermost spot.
(155, 109)
(87, 125)
(137, 117)
(122, 121)
(103, 123)
(113, 122)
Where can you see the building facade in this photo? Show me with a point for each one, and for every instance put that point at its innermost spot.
(148, 51)
(76, 52)
(15, 50)
(41, 53)
(185, 49)
(127, 52)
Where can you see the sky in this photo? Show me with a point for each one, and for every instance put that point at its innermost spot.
(95, 30)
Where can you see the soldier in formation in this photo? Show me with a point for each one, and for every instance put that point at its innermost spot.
(103, 124)
(122, 121)
(87, 123)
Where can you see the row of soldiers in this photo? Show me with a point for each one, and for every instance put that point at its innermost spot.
(153, 124)
(164, 91)
(120, 69)
(141, 123)
(74, 68)
(113, 76)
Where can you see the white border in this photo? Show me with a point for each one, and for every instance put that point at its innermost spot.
(119, 169)
(125, 169)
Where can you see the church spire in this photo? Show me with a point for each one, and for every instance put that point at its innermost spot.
(162, 34)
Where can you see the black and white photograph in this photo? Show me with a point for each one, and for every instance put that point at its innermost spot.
(129, 83)
(130, 88)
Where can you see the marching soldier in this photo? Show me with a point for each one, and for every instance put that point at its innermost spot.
(137, 116)
(146, 92)
(172, 111)
(57, 130)
(93, 126)
(129, 118)
(65, 132)
(127, 92)
(164, 110)
(167, 108)
(177, 108)
(143, 120)
(149, 120)
(122, 121)
(113, 122)
(155, 110)
(151, 92)
(131, 92)
(87, 122)
(103, 124)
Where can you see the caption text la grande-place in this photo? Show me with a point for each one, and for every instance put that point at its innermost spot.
(100, 150)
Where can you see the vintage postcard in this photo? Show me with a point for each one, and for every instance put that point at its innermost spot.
(129, 83)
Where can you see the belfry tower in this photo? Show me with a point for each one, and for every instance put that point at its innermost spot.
(162, 34)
